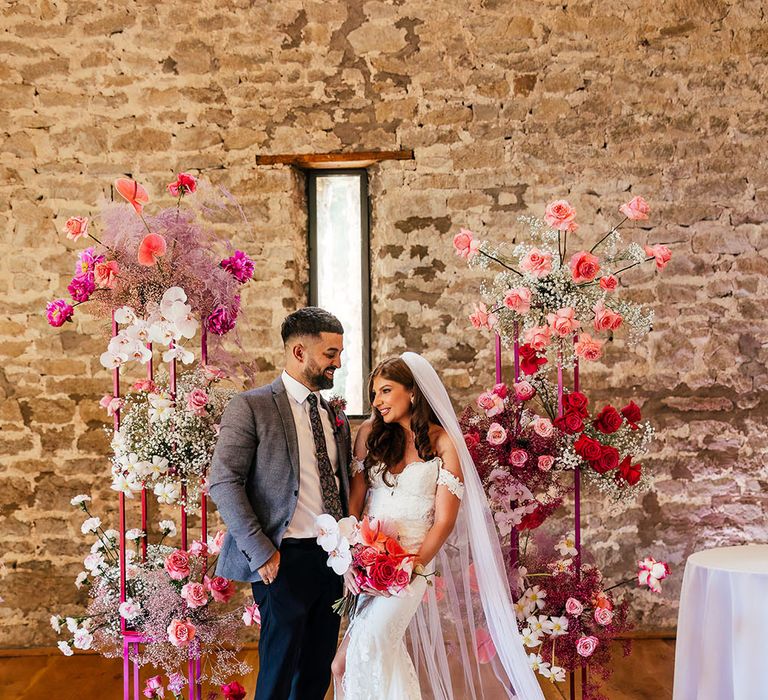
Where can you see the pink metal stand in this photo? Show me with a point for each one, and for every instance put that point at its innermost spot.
(131, 639)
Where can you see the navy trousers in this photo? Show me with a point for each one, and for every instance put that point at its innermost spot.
(299, 630)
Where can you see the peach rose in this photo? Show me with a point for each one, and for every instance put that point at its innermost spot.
(584, 266)
(543, 427)
(177, 565)
(105, 274)
(537, 337)
(661, 253)
(194, 594)
(519, 300)
(181, 633)
(560, 215)
(491, 403)
(465, 244)
(545, 462)
(605, 319)
(524, 391)
(636, 209)
(76, 227)
(603, 616)
(588, 347)
(537, 262)
(482, 318)
(608, 283)
(496, 434)
(563, 321)
(586, 646)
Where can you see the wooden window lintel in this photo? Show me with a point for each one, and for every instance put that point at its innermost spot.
(314, 161)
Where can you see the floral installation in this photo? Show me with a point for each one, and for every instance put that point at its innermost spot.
(171, 600)
(166, 443)
(559, 303)
(137, 258)
(568, 617)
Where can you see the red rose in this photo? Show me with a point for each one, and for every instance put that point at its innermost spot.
(382, 574)
(366, 556)
(532, 520)
(632, 413)
(570, 423)
(608, 420)
(588, 448)
(628, 471)
(529, 360)
(500, 390)
(576, 401)
(608, 460)
(472, 440)
(222, 589)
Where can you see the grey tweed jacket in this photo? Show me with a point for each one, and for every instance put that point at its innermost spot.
(254, 478)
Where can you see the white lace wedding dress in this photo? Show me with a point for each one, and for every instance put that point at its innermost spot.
(378, 666)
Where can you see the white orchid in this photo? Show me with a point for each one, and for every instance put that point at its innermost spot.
(125, 315)
(349, 528)
(179, 352)
(138, 331)
(162, 333)
(327, 532)
(160, 407)
(112, 360)
(119, 343)
(139, 352)
(340, 558)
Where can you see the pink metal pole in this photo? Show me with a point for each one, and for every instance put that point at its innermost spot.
(136, 683)
(203, 497)
(144, 499)
(498, 358)
(121, 500)
(516, 351)
(199, 686)
(126, 670)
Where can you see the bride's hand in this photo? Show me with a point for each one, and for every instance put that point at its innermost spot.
(372, 591)
(350, 583)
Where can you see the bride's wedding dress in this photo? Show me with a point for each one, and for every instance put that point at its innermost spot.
(377, 662)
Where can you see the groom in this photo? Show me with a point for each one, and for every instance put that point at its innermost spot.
(282, 459)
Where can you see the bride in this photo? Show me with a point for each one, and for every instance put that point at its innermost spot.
(413, 472)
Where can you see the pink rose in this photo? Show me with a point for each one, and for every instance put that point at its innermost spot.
(465, 244)
(211, 372)
(603, 616)
(181, 633)
(584, 267)
(518, 299)
(563, 321)
(198, 549)
(537, 337)
(608, 283)
(605, 319)
(177, 565)
(518, 458)
(144, 385)
(560, 215)
(524, 391)
(661, 253)
(588, 347)
(573, 607)
(76, 227)
(197, 400)
(105, 274)
(491, 403)
(215, 545)
(496, 434)
(402, 579)
(252, 616)
(222, 589)
(543, 427)
(635, 209)
(194, 594)
(586, 645)
(112, 404)
(545, 462)
(482, 318)
(537, 263)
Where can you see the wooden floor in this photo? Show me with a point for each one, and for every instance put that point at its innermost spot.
(47, 675)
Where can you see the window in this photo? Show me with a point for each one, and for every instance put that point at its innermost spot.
(340, 271)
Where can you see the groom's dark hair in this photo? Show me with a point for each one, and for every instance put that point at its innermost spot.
(312, 321)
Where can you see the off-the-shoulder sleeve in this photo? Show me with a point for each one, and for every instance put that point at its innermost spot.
(451, 482)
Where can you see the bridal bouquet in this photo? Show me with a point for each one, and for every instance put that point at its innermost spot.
(171, 601)
(369, 548)
(166, 443)
(556, 303)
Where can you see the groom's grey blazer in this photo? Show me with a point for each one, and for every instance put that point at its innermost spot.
(254, 478)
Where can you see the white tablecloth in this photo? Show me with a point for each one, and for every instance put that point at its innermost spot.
(722, 628)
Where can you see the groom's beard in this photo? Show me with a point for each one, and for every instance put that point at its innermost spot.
(315, 376)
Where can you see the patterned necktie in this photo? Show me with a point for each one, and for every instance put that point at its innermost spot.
(331, 499)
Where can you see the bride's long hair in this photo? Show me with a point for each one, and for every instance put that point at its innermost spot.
(386, 441)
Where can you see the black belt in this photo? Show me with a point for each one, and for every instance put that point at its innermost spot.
(305, 542)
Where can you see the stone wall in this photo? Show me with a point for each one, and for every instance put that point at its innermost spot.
(507, 106)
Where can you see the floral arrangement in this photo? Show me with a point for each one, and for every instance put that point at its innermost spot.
(166, 443)
(556, 303)
(371, 550)
(138, 259)
(171, 601)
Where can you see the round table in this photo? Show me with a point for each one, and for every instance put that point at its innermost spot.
(722, 627)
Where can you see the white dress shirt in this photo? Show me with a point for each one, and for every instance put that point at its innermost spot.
(310, 503)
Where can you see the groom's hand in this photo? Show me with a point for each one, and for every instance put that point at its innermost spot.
(268, 572)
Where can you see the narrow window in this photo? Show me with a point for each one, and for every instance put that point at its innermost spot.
(339, 271)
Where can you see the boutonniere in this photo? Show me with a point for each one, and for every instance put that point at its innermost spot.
(338, 405)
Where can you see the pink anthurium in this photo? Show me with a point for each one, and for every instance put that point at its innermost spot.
(132, 192)
(152, 247)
